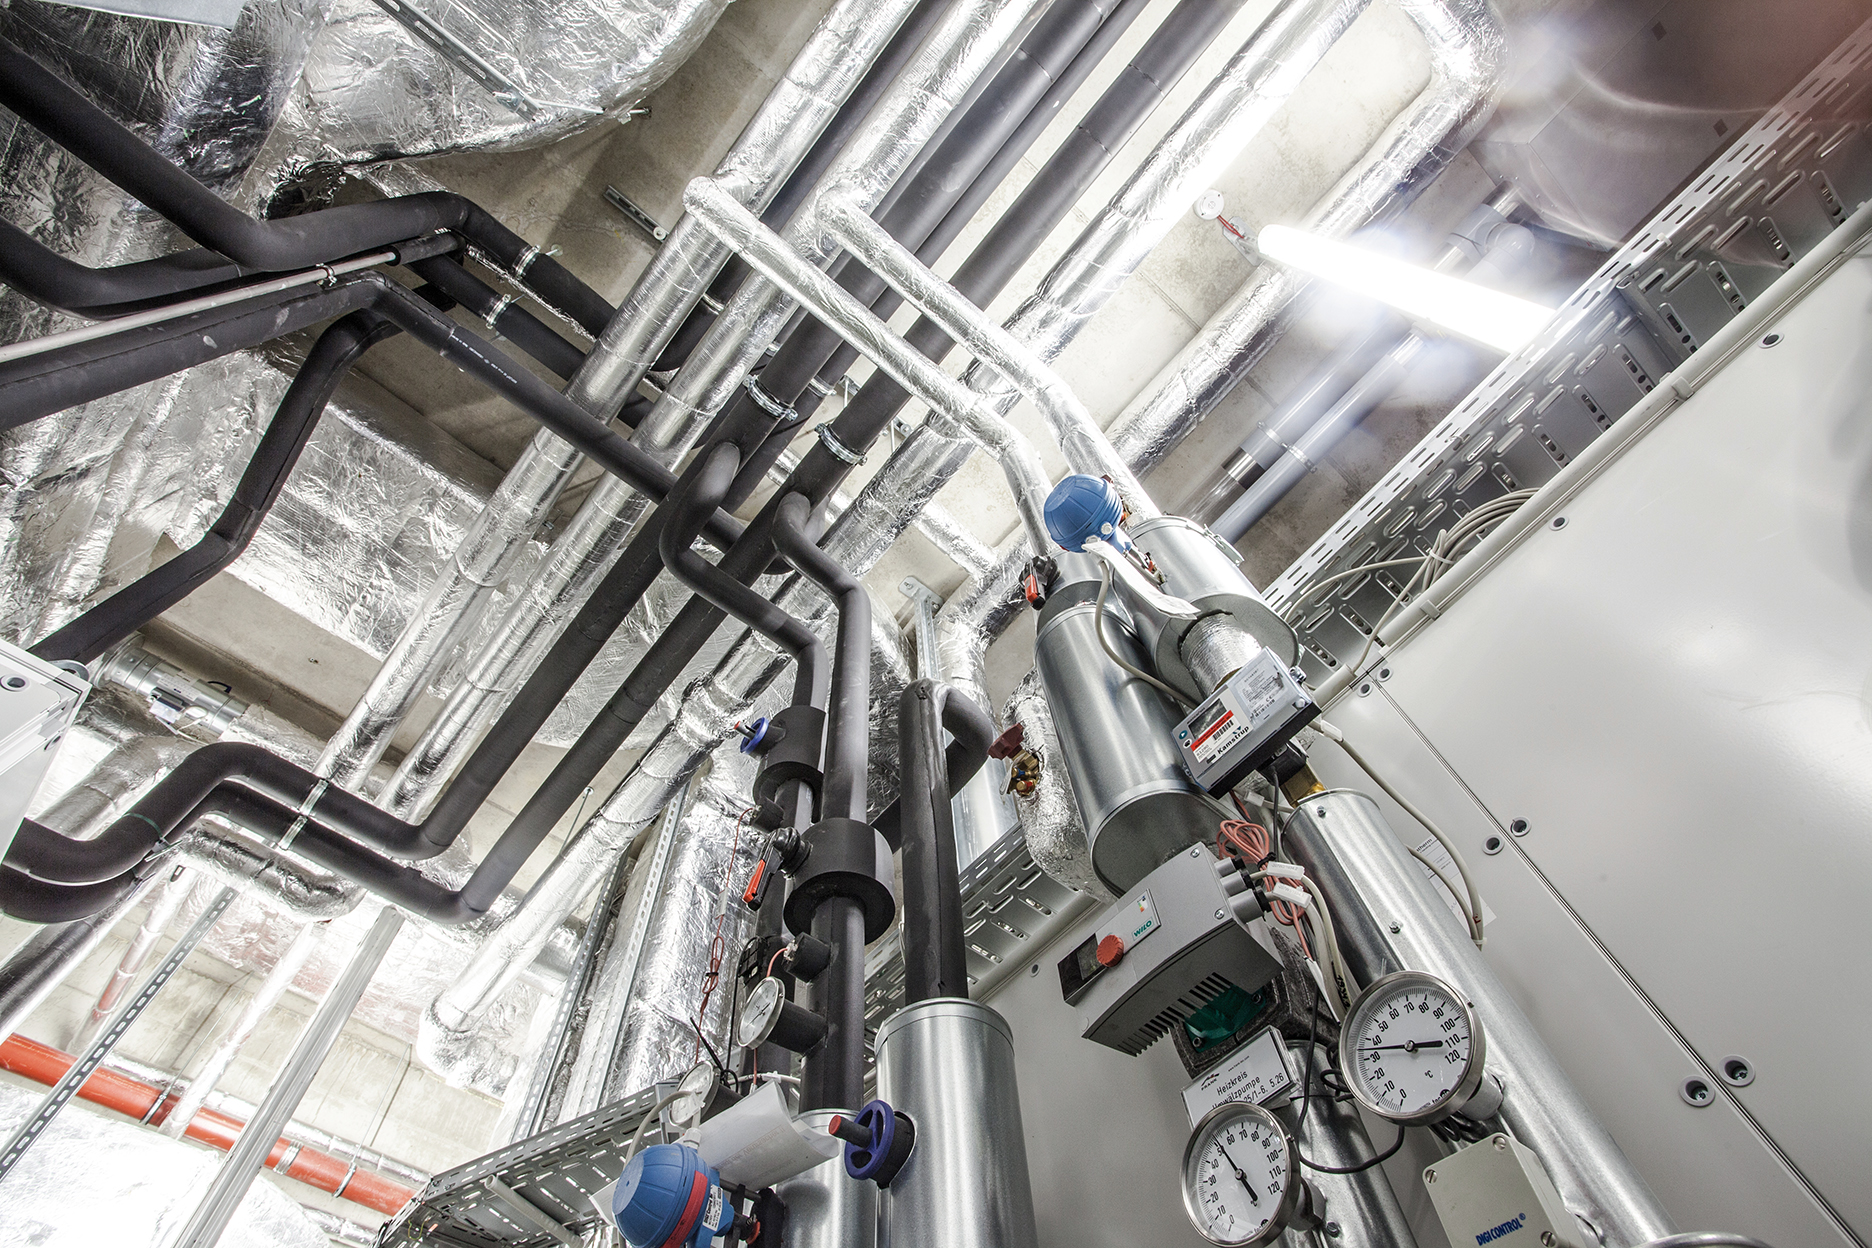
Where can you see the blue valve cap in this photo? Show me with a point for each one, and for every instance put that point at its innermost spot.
(1083, 507)
(668, 1197)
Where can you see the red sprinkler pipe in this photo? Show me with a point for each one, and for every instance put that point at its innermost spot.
(135, 1099)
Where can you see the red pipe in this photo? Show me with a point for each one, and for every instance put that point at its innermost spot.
(136, 1099)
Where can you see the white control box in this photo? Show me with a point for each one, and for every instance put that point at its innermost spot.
(38, 702)
(1497, 1192)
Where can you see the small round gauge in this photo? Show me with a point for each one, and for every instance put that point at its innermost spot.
(760, 1012)
(1241, 1176)
(695, 1091)
(1412, 1049)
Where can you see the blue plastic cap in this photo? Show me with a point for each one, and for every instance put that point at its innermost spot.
(756, 732)
(655, 1192)
(1083, 507)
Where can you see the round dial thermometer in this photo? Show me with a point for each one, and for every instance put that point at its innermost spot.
(1412, 1049)
(1241, 1176)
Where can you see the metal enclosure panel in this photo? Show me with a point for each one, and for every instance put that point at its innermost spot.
(1672, 691)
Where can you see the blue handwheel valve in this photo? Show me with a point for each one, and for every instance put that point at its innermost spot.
(878, 1140)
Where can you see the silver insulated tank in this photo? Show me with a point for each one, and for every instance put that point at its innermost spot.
(1201, 568)
(825, 1207)
(1116, 733)
(949, 1065)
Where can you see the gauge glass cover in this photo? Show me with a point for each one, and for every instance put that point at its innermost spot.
(1241, 1180)
(1412, 1048)
(759, 1012)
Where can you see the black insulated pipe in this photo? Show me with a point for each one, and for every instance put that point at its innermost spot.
(43, 100)
(147, 597)
(502, 314)
(41, 274)
(935, 950)
(832, 1076)
(848, 726)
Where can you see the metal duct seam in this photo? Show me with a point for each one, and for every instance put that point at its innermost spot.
(824, 72)
(1468, 50)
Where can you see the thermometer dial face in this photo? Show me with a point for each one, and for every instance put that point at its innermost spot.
(1411, 1048)
(1241, 1176)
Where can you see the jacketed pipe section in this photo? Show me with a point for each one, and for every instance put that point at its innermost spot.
(804, 283)
(972, 34)
(955, 54)
(1384, 905)
(834, 58)
(1468, 50)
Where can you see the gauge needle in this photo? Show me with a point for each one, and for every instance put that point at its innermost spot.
(1409, 1046)
(1239, 1174)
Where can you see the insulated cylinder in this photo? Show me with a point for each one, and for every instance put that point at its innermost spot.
(1204, 570)
(825, 1207)
(1116, 734)
(948, 1065)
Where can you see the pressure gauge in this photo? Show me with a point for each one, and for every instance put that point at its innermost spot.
(1412, 1050)
(1241, 1176)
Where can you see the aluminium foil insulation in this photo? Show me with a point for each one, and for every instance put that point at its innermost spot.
(203, 97)
(824, 72)
(375, 91)
(688, 913)
(1049, 816)
(1468, 51)
(99, 1179)
(964, 45)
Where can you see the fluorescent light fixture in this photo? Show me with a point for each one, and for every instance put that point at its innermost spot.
(1476, 312)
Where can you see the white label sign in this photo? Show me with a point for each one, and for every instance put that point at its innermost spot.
(1256, 1072)
(1434, 851)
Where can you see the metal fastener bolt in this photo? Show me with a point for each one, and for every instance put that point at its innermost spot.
(1558, 522)
(1320, 811)
(1300, 702)
(1492, 845)
(1034, 969)
(1501, 1143)
(1546, 1237)
(14, 682)
(1384, 673)
(1195, 851)
(1696, 1093)
(1737, 1072)
(1770, 340)
(1518, 826)
(1218, 912)
(1332, 1230)
(1396, 928)
(1429, 1176)
(1364, 688)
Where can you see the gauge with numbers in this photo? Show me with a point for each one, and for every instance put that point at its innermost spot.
(1412, 1050)
(1241, 1176)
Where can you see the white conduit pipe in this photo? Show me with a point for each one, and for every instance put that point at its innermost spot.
(820, 77)
(965, 45)
(806, 284)
(956, 53)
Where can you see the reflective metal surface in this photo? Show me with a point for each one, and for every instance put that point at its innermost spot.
(1115, 737)
(825, 1207)
(1364, 1205)
(949, 1065)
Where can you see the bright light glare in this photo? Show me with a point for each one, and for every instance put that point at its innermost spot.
(1476, 312)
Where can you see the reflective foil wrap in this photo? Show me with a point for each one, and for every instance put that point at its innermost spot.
(1467, 56)
(374, 90)
(1056, 835)
(99, 1179)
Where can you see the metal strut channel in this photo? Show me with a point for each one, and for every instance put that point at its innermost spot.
(93, 1057)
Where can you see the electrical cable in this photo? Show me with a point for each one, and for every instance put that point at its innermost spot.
(1306, 1100)
(654, 1115)
(1098, 626)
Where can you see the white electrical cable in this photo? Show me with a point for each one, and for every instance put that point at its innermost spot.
(1346, 988)
(655, 1115)
(1468, 889)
